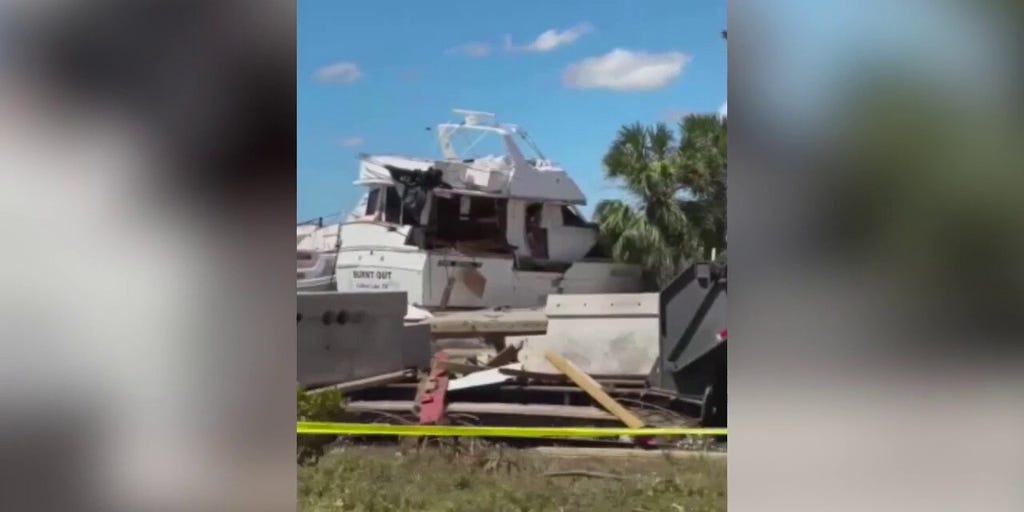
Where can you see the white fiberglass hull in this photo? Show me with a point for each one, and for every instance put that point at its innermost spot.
(444, 279)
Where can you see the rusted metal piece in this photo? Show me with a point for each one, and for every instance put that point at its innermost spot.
(368, 382)
(431, 400)
(475, 281)
(509, 354)
(581, 412)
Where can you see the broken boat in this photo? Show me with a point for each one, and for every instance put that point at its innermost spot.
(492, 223)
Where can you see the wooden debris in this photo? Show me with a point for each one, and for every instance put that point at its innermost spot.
(488, 377)
(432, 398)
(496, 340)
(604, 380)
(593, 388)
(509, 354)
(462, 368)
(537, 376)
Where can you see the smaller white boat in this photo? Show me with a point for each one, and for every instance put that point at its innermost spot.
(316, 255)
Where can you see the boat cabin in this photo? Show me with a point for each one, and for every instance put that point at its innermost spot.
(479, 202)
(491, 223)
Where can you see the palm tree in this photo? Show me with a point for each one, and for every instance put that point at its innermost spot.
(677, 207)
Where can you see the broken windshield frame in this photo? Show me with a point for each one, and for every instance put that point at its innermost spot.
(468, 142)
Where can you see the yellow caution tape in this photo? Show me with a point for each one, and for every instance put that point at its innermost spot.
(367, 429)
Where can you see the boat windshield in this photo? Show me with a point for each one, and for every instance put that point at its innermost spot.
(472, 143)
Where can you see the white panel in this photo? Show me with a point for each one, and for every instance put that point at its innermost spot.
(499, 279)
(483, 378)
(516, 230)
(570, 243)
(532, 288)
(602, 277)
(381, 270)
(602, 334)
(374, 234)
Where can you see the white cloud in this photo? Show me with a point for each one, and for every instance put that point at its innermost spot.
(551, 39)
(338, 73)
(470, 49)
(625, 71)
(723, 110)
(352, 142)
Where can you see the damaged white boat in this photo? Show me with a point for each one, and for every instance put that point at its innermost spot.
(465, 231)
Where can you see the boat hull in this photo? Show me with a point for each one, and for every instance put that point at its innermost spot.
(451, 280)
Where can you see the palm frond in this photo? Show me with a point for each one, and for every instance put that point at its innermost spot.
(679, 189)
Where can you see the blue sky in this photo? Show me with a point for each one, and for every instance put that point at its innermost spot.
(372, 75)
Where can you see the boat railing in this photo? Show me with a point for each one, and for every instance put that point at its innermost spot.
(321, 221)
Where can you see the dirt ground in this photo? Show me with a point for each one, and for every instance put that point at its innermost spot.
(370, 479)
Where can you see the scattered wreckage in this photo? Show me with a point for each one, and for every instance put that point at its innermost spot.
(637, 360)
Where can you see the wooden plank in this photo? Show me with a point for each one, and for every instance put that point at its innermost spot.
(591, 386)
(475, 329)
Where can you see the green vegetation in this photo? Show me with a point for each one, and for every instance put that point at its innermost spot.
(368, 479)
(677, 190)
(324, 406)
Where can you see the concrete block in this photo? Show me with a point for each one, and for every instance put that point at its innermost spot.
(344, 336)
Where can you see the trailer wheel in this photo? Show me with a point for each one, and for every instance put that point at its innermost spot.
(713, 414)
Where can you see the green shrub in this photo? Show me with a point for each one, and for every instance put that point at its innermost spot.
(323, 406)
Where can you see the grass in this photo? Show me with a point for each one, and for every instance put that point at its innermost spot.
(436, 479)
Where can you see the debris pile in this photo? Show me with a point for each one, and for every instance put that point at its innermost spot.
(510, 367)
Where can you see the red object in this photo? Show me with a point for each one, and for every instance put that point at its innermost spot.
(432, 399)
(646, 442)
(724, 335)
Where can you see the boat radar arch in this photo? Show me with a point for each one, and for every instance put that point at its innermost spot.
(474, 117)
